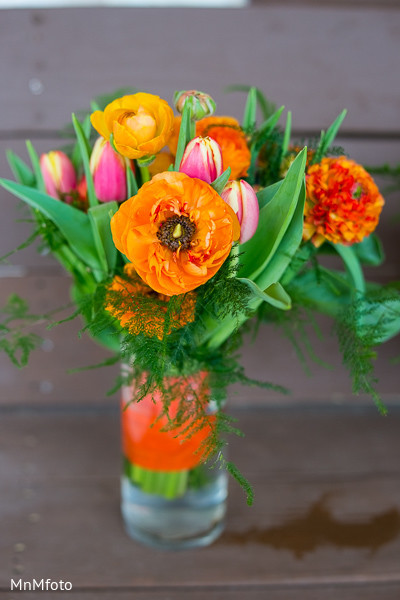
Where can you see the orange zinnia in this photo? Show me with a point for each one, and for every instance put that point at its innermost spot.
(343, 202)
(148, 317)
(177, 232)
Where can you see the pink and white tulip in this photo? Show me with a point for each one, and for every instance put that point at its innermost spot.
(58, 175)
(108, 171)
(243, 200)
(202, 159)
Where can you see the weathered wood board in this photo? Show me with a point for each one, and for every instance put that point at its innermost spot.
(326, 515)
(314, 59)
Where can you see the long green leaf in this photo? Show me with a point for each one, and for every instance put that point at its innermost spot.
(36, 166)
(273, 273)
(274, 220)
(328, 137)
(84, 148)
(287, 134)
(259, 139)
(131, 183)
(352, 265)
(266, 194)
(274, 294)
(250, 110)
(184, 133)
(100, 217)
(267, 108)
(22, 173)
(72, 223)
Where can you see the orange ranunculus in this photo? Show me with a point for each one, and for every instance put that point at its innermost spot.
(343, 202)
(229, 135)
(141, 124)
(227, 132)
(128, 301)
(177, 232)
(161, 163)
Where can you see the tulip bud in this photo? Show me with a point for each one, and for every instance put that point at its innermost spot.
(202, 104)
(243, 200)
(58, 174)
(109, 172)
(202, 159)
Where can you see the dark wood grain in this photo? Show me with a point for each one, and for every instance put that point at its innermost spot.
(314, 59)
(60, 500)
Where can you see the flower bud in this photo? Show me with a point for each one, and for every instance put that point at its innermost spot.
(202, 159)
(202, 104)
(109, 172)
(58, 174)
(243, 200)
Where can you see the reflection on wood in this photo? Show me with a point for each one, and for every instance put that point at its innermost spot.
(318, 527)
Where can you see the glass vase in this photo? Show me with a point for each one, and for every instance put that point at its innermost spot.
(170, 498)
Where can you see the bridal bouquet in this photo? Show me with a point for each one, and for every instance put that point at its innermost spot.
(181, 232)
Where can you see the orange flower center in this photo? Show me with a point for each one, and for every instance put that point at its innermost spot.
(176, 232)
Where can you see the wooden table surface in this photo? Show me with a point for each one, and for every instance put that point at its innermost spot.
(325, 466)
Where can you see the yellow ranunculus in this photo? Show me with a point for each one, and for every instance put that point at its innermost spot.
(141, 124)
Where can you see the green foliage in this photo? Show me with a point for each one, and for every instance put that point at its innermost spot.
(327, 138)
(358, 354)
(14, 340)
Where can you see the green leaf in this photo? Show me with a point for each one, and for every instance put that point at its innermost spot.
(274, 220)
(22, 173)
(352, 265)
(85, 150)
(100, 217)
(36, 167)
(250, 111)
(328, 137)
(370, 251)
(184, 133)
(267, 108)
(260, 138)
(72, 223)
(221, 181)
(287, 134)
(266, 194)
(272, 273)
(282, 260)
(274, 294)
(131, 183)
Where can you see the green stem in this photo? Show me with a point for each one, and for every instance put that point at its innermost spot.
(145, 174)
(168, 484)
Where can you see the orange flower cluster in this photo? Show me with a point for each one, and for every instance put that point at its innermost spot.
(177, 232)
(226, 131)
(343, 202)
(148, 318)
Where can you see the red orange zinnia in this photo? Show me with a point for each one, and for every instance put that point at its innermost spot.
(343, 202)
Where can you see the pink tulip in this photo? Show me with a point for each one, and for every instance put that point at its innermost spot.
(109, 172)
(58, 174)
(243, 200)
(202, 159)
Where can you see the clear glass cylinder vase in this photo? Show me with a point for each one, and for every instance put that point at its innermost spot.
(170, 498)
